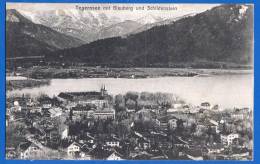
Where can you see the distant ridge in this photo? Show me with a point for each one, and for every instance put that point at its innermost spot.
(25, 38)
(222, 35)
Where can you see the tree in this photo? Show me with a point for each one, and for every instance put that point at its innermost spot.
(132, 96)
(180, 127)
(100, 127)
(193, 128)
(71, 114)
(119, 103)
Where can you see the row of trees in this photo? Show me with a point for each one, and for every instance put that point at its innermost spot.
(135, 100)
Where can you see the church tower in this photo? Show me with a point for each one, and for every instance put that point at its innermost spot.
(103, 91)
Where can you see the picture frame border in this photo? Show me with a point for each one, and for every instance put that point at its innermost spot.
(256, 131)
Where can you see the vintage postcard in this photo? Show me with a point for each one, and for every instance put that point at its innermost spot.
(104, 81)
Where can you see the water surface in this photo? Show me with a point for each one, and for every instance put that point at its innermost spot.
(226, 90)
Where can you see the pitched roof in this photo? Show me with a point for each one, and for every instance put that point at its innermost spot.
(99, 153)
(75, 143)
(116, 153)
(194, 152)
(26, 145)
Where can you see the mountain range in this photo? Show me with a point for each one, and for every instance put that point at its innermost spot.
(25, 38)
(85, 25)
(222, 34)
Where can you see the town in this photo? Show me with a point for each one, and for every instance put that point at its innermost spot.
(95, 125)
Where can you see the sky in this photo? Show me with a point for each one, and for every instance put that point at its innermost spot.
(178, 9)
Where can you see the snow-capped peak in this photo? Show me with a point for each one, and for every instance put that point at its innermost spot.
(149, 19)
(29, 15)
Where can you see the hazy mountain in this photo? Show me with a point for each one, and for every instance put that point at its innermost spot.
(119, 29)
(86, 25)
(156, 22)
(222, 34)
(81, 24)
(24, 38)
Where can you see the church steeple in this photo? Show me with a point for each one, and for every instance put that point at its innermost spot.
(103, 90)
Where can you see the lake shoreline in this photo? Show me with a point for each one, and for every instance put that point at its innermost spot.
(129, 73)
(229, 90)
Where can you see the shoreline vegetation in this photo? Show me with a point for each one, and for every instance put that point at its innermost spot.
(43, 72)
(39, 76)
(27, 83)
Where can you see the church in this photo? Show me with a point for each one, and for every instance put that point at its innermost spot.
(83, 96)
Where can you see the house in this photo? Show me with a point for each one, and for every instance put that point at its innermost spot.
(228, 139)
(73, 149)
(172, 123)
(46, 102)
(64, 131)
(99, 152)
(130, 110)
(83, 154)
(194, 154)
(112, 142)
(163, 123)
(106, 113)
(55, 112)
(238, 116)
(172, 111)
(140, 155)
(215, 148)
(205, 105)
(215, 125)
(177, 105)
(180, 143)
(90, 139)
(241, 114)
(204, 125)
(29, 150)
(194, 110)
(215, 107)
(35, 110)
(115, 156)
(52, 137)
(144, 143)
(99, 104)
(82, 111)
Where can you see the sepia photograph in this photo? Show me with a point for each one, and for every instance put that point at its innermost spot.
(129, 81)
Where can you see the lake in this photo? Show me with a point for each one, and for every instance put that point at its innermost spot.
(226, 90)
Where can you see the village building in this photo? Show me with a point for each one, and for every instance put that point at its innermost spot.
(194, 154)
(55, 112)
(63, 131)
(172, 123)
(35, 109)
(112, 141)
(172, 111)
(84, 96)
(73, 149)
(205, 106)
(46, 102)
(115, 156)
(106, 113)
(82, 111)
(99, 104)
(29, 150)
(228, 139)
(215, 148)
